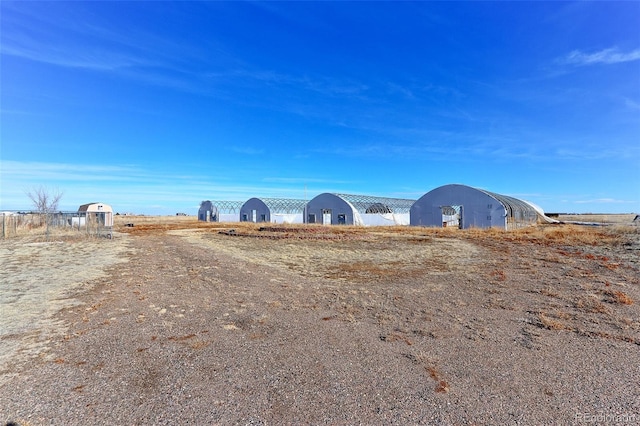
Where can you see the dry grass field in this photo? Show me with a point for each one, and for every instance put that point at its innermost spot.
(189, 322)
(616, 219)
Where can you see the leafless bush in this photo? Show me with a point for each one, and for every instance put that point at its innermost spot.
(45, 200)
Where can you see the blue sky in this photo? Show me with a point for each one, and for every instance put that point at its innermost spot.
(155, 106)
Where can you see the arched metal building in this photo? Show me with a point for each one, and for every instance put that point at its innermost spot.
(219, 211)
(466, 207)
(347, 209)
(273, 210)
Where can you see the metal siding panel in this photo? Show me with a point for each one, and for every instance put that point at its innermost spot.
(259, 206)
(475, 210)
(333, 203)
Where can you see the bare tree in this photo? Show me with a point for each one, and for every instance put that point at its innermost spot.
(45, 200)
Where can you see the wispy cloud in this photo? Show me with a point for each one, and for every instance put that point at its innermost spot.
(79, 41)
(302, 180)
(631, 103)
(76, 40)
(395, 88)
(51, 41)
(606, 56)
(132, 187)
(321, 85)
(246, 150)
(65, 57)
(33, 171)
(603, 201)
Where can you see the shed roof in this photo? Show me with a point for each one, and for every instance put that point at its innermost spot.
(87, 207)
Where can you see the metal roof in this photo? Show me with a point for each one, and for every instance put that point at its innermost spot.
(90, 207)
(517, 209)
(225, 206)
(284, 205)
(372, 204)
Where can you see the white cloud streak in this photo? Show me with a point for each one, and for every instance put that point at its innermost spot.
(630, 103)
(604, 201)
(302, 180)
(130, 188)
(606, 56)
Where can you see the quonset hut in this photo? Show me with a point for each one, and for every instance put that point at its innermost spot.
(466, 207)
(219, 211)
(273, 210)
(347, 209)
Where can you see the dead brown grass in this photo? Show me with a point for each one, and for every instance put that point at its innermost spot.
(617, 297)
(567, 234)
(550, 323)
(619, 219)
(41, 234)
(542, 234)
(591, 304)
(574, 235)
(370, 255)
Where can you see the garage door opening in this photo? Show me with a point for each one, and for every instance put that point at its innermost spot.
(451, 216)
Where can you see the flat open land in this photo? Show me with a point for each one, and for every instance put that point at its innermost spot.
(179, 322)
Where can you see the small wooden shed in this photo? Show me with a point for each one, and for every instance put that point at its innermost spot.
(98, 213)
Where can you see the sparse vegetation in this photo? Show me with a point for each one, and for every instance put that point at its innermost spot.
(617, 296)
(429, 314)
(550, 323)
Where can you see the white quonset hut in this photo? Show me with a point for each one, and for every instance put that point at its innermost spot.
(347, 209)
(219, 211)
(466, 207)
(273, 210)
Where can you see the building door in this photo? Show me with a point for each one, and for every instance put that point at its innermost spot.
(451, 216)
(254, 216)
(326, 216)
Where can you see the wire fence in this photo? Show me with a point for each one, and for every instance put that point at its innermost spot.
(46, 225)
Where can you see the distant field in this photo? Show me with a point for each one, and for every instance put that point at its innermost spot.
(599, 218)
(143, 224)
(163, 223)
